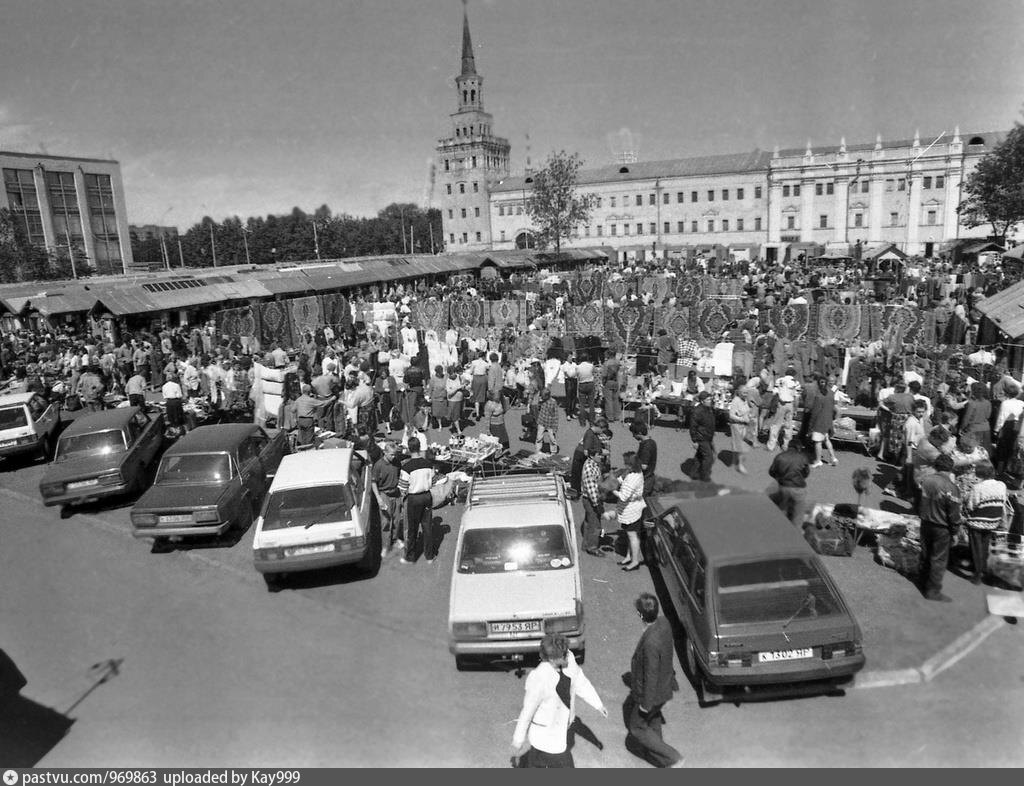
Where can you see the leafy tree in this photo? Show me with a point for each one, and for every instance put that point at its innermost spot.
(995, 189)
(555, 205)
(20, 260)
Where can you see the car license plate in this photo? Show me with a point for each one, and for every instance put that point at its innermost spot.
(299, 551)
(8, 443)
(83, 484)
(526, 626)
(771, 657)
(177, 518)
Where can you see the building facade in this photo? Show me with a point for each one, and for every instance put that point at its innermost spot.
(470, 161)
(770, 204)
(70, 204)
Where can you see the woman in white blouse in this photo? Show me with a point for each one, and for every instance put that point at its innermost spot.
(541, 737)
(631, 508)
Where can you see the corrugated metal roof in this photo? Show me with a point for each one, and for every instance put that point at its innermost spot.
(1006, 310)
(120, 301)
(69, 300)
(1015, 253)
(876, 251)
(15, 303)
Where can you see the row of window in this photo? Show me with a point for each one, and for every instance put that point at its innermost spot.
(723, 225)
(931, 219)
(495, 162)
(476, 213)
(462, 188)
(465, 237)
(65, 211)
(891, 184)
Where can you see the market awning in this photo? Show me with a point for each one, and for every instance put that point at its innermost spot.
(1015, 254)
(16, 304)
(1006, 310)
(882, 251)
(68, 301)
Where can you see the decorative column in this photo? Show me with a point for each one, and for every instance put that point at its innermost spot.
(875, 206)
(807, 209)
(85, 216)
(774, 212)
(913, 213)
(45, 209)
(842, 208)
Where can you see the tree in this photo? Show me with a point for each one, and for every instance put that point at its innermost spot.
(20, 260)
(995, 189)
(555, 206)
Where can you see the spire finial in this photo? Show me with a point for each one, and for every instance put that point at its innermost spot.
(917, 137)
(808, 151)
(468, 63)
(878, 141)
(956, 135)
(842, 144)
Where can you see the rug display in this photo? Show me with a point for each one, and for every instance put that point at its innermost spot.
(305, 315)
(275, 325)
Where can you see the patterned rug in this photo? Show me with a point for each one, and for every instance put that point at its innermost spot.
(248, 321)
(466, 313)
(430, 314)
(711, 318)
(306, 315)
(587, 287)
(790, 322)
(690, 290)
(617, 290)
(585, 320)
(675, 320)
(871, 322)
(275, 326)
(838, 322)
(907, 319)
(656, 286)
(226, 322)
(624, 325)
(336, 310)
(501, 313)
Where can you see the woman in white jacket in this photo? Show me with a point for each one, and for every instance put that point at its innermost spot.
(549, 706)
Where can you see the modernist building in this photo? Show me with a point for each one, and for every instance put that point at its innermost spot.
(67, 203)
(470, 161)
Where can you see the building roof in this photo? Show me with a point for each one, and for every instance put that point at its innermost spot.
(1016, 252)
(468, 62)
(1006, 310)
(756, 160)
(991, 138)
(67, 300)
(880, 250)
(47, 156)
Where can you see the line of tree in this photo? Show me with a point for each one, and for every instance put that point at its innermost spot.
(400, 228)
(995, 189)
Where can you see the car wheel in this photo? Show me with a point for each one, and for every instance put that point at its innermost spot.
(66, 511)
(464, 663)
(161, 545)
(370, 564)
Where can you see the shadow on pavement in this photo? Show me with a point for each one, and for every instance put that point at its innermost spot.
(28, 731)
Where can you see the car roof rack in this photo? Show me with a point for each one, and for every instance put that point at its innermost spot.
(515, 489)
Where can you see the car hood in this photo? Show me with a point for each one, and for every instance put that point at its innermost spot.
(513, 595)
(81, 467)
(186, 497)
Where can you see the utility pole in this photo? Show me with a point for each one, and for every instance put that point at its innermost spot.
(316, 241)
(181, 256)
(245, 242)
(213, 245)
(163, 249)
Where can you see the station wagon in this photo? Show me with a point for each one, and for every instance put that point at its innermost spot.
(29, 424)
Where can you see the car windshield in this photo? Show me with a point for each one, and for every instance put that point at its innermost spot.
(13, 417)
(504, 549)
(775, 590)
(194, 468)
(307, 507)
(98, 443)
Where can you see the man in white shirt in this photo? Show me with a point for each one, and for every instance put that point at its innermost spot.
(397, 366)
(585, 390)
(172, 394)
(1011, 409)
(568, 373)
(787, 388)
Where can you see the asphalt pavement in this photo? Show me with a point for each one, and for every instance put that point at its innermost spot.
(213, 670)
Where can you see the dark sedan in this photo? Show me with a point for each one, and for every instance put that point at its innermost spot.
(212, 479)
(102, 455)
(757, 605)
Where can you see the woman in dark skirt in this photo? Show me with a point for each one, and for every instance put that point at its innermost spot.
(437, 394)
(494, 413)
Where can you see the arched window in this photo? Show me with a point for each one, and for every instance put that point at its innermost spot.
(977, 140)
(472, 96)
(526, 240)
(465, 96)
(623, 170)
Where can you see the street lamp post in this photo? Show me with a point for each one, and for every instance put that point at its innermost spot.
(245, 242)
(316, 241)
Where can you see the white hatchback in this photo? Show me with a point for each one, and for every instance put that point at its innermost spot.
(319, 513)
(516, 575)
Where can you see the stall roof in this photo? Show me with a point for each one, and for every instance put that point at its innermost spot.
(1006, 310)
(15, 303)
(882, 249)
(68, 300)
(120, 301)
(1015, 253)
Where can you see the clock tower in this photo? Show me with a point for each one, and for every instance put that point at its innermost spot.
(470, 160)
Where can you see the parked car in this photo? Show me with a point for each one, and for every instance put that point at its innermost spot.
(757, 605)
(516, 575)
(320, 512)
(210, 480)
(28, 424)
(102, 455)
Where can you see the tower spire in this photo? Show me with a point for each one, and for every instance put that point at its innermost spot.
(468, 63)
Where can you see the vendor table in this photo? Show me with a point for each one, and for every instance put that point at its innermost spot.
(860, 520)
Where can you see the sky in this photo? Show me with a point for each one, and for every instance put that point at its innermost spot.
(249, 107)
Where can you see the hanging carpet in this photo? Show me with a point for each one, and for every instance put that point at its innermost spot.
(838, 322)
(908, 319)
(467, 313)
(585, 320)
(711, 318)
(675, 320)
(655, 286)
(790, 322)
(275, 325)
(690, 290)
(336, 311)
(305, 315)
(502, 313)
(430, 314)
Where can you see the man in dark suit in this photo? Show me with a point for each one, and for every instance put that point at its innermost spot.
(652, 682)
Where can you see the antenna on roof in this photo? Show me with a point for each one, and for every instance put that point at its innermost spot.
(529, 164)
(624, 146)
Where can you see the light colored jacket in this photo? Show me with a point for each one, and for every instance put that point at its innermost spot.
(544, 719)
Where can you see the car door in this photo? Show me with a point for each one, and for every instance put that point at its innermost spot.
(686, 562)
(271, 450)
(699, 614)
(251, 471)
(42, 416)
(131, 460)
(665, 534)
(149, 437)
